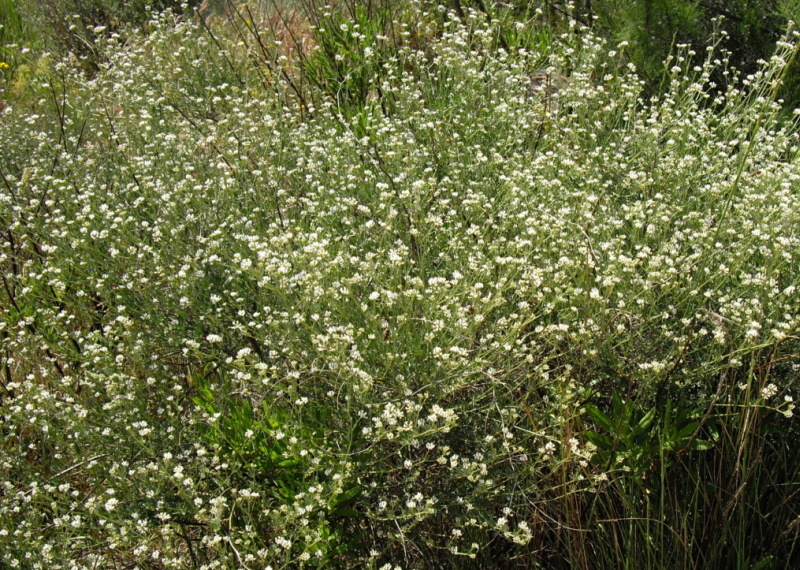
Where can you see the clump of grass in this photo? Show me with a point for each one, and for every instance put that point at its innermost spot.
(248, 325)
(15, 37)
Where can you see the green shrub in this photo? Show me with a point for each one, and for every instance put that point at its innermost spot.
(653, 27)
(484, 327)
(81, 27)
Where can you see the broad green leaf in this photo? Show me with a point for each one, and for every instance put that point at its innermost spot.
(618, 406)
(600, 440)
(347, 497)
(702, 445)
(644, 423)
(687, 430)
(600, 418)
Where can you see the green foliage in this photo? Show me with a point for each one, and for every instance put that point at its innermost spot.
(631, 440)
(15, 36)
(82, 27)
(260, 445)
(653, 27)
(11, 29)
(628, 441)
(350, 59)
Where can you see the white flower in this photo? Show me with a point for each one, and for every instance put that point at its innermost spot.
(769, 391)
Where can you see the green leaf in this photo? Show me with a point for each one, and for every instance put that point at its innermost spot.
(204, 403)
(618, 406)
(600, 440)
(644, 423)
(764, 564)
(687, 430)
(247, 410)
(346, 497)
(600, 418)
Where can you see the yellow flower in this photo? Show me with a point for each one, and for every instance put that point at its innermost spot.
(3, 65)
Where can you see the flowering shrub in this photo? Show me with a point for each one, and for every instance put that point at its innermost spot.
(241, 334)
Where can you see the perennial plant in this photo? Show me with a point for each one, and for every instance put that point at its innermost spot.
(450, 321)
